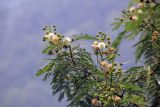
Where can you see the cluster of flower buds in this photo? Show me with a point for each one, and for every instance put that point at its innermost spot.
(52, 37)
(98, 45)
(135, 10)
(116, 99)
(155, 36)
(108, 67)
(103, 44)
(105, 66)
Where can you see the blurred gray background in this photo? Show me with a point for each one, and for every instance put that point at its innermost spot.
(21, 23)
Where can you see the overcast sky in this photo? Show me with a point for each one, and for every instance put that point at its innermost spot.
(21, 23)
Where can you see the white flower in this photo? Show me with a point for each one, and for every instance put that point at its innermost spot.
(140, 11)
(101, 45)
(132, 9)
(67, 40)
(49, 36)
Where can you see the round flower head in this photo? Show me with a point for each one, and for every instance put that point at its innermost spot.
(49, 36)
(101, 45)
(132, 9)
(55, 39)
(104, 66)
(67, 40)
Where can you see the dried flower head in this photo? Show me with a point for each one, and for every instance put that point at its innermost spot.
(55, 39)
(104, 64)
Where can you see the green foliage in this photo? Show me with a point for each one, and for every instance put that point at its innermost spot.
(147, 47)
(118, 40)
